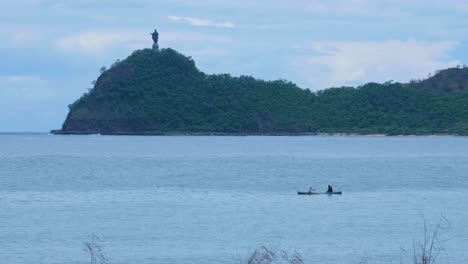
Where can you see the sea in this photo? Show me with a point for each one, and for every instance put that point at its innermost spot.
(216, 199)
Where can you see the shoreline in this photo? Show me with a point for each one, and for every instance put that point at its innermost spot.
(60, 132)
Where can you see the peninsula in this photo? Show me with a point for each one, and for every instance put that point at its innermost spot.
(160, 91)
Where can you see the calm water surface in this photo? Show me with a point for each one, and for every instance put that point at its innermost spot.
(215, 199)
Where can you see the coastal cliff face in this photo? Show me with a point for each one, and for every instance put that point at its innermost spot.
(162, 91)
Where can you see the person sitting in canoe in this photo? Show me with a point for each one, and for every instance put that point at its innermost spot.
(310, 189)
(330, 189)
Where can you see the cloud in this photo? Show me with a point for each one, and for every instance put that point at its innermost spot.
(31, 103)
(24, 88)
(350, 63)
(106, 41)
(201, 22)
(97, 42)
(20, 36)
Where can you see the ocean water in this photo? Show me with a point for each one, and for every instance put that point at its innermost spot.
(215, 199)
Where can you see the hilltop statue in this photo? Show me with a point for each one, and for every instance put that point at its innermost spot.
(155, 36)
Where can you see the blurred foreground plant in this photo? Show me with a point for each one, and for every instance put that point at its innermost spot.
(94, 249)
(264, 255)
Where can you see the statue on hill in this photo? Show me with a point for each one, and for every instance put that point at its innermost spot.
(155, 36)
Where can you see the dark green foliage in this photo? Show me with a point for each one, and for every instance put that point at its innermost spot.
(448, 80)
(163, 91)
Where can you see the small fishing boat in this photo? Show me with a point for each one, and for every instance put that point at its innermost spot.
(313, 193)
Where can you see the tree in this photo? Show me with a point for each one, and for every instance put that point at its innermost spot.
(115, 63)
(103, 69)
(165, 92)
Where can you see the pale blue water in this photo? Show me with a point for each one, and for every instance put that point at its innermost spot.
(215, 199)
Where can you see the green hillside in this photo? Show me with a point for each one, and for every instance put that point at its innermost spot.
(154, 92)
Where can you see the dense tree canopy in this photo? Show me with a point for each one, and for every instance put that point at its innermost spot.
(163, 91)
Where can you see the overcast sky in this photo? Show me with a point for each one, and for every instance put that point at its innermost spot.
(51, 51)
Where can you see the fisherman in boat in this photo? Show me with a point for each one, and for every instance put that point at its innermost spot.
(310, 189)
(330, 189)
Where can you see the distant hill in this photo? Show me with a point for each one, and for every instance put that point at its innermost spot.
(448, 80)
(160, 92)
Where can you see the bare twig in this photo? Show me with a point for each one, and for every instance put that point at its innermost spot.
(428, 251)
(264, 255)
(363, 260)
(94, 248)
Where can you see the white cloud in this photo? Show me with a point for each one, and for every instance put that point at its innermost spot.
(372, 7)
(177, 37)
(351, 63)
(95, 42)
(18, 36)
(24, 88)
(32, 103)
(17, 78)
(105, 41)
(201, 22)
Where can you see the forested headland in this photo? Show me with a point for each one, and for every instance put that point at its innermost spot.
(163, 92)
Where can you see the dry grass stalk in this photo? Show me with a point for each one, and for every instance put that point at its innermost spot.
(95, 251)
(264, 255)
(428, 251)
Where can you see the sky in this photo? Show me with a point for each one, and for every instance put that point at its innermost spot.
(51, 51)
